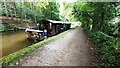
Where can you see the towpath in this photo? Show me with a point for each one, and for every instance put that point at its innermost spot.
(72, 49)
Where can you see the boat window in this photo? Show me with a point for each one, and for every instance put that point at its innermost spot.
(50, 25)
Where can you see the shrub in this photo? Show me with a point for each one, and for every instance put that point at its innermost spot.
(108, 49)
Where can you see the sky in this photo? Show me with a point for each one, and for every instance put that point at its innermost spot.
(69, 1)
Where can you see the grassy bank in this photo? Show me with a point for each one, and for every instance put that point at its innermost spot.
(14, 56)
(108, 48)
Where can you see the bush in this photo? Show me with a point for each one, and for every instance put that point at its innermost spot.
(1, 27)
(108, 49)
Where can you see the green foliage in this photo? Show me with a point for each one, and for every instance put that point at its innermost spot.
(96, 20)
(29, 12)
(66, 11)
(86, 7)
(34, 11)
(51, 11)
(95, 14)
(1, 27)
(108, 48)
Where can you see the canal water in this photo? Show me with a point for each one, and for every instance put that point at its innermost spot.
(13, 41)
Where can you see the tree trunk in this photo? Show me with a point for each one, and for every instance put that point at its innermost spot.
(102, 17)
(15, 11)
(22, 15)
(35, 12)
(6, 9)
(94, 26)
(12, 10)
(33, 15)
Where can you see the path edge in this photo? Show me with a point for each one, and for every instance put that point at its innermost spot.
(18, 54)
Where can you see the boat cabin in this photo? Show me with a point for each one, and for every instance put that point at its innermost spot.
(54, 27)
(34, 34)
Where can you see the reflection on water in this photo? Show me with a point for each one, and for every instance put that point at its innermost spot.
(13, 41)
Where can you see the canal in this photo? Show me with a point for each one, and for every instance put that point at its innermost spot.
(13, 41)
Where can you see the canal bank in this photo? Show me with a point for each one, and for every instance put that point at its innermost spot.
(22, 52)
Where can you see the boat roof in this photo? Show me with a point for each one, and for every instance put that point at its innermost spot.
(58, 22)
(32, 30)
(61, 22)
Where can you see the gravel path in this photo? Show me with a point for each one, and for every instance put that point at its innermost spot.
(72, 49)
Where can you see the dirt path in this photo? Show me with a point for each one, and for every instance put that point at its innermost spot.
(71, 49)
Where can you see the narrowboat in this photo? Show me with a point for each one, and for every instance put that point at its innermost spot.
(47, 28)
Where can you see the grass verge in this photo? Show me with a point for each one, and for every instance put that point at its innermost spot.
(16, 55)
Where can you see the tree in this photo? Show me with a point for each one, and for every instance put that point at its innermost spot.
(5, 9)
(34, 11)
(67, 11)
(97, 14)
(51, 11)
